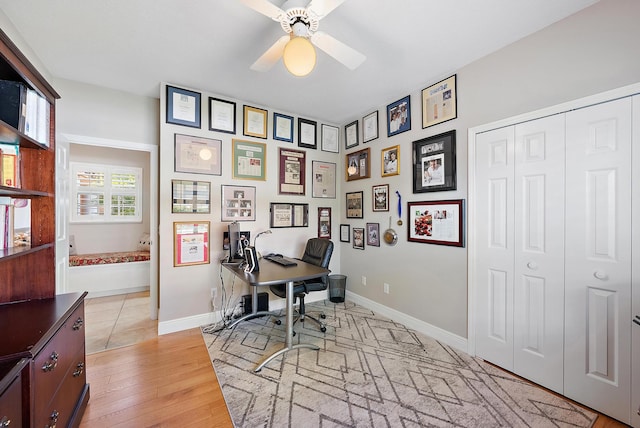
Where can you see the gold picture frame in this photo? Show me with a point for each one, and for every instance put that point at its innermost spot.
(390, 161)
(255, 122)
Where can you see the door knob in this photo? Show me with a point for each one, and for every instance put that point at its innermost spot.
(600, 275)
(532, 265)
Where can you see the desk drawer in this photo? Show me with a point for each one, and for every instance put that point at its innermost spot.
(64, 351)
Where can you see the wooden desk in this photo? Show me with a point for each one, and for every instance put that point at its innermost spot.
(273, 273)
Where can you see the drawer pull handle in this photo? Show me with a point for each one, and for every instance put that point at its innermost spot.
(78, 324)
(50, 365)
(54, 419)
(5, 422)
(79, 369)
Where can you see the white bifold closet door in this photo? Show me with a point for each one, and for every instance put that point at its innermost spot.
(598, 257)
(520, 246)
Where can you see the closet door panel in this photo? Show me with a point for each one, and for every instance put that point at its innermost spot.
(494, 273)
(598, 257)
(539, 251)
(635, 274)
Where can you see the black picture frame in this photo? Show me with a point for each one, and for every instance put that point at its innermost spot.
(373, 234)
(355, 204)
(182, 103)
(307, 133)
(399, 116)
(345, 233)
(358, 238)
(440, 102)
(434, 163)
(286, 214)
(222, 115)
(351, 135)
(370, 127)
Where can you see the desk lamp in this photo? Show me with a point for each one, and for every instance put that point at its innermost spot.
(266, 232)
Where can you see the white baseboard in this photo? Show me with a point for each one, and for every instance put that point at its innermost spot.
(437, 333)
(197, 321)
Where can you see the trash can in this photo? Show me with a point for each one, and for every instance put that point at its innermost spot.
(337, 284)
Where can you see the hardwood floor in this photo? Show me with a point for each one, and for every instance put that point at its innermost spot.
(167, 381)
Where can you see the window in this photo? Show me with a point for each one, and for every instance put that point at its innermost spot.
(105, 193)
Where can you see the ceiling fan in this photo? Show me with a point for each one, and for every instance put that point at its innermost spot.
(301, 25)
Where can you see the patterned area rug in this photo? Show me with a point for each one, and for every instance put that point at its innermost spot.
(371, 372)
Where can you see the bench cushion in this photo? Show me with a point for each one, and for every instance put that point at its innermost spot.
(108, 258)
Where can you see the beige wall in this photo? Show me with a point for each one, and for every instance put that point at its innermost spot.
(587, 53)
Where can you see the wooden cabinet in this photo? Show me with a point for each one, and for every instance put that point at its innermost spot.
(49, 334)
(29, 272)
(42, 345)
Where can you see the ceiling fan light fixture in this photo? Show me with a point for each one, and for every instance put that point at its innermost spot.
(299, 56)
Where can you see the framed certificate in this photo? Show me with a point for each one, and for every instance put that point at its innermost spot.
(183, 107)
(222, 115)
(255, 122)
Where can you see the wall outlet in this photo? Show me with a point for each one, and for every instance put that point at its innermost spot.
(386, 288)
(364, 280)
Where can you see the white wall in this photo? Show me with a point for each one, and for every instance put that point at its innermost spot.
(106, 237)
(185, 291)
(589, 52)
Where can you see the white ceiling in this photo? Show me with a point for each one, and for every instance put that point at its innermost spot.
(209, 45)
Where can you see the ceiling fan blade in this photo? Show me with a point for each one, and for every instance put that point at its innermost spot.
(271, 56)
(350, 57)
(322, 8)
(265, 7)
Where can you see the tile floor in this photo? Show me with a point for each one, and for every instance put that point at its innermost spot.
(116, 321)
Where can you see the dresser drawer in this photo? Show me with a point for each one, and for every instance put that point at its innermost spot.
(64, 351)
(11, 404)
(58, 411)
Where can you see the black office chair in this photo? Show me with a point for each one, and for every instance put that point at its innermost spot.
(318, 252)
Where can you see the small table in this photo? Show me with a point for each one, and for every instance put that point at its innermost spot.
(272, 273)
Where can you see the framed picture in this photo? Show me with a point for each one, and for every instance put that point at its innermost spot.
(222, 115)
(324, 179)
(439, 102)
(390, 161)
(197, 155)
(399, 116)
(255, 122)
(238, 203)
(358, 238)
(345, 230)
(190, 243)
(293, 170)
(370, 127)
(351, 135)
(434, 163)
(183, 107)
(380, 197)
(354, 204)
(436, 222)
(373, 234)
(358, 165)
(307, 130)
(324, 222)
(189, 196)
(249, 160)
(282, 127)
(288, 215)
(329, 138)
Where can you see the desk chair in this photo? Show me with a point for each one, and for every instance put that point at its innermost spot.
(318, 252)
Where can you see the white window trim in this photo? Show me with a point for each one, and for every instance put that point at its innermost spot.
(108, 170)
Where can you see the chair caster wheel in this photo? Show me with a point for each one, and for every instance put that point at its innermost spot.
(323, 329)
(294, 333)
(278, 322)
(323, 316)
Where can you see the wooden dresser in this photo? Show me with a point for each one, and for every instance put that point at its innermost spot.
(42, 362)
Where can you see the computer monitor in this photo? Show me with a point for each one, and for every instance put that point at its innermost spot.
(236, 239)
